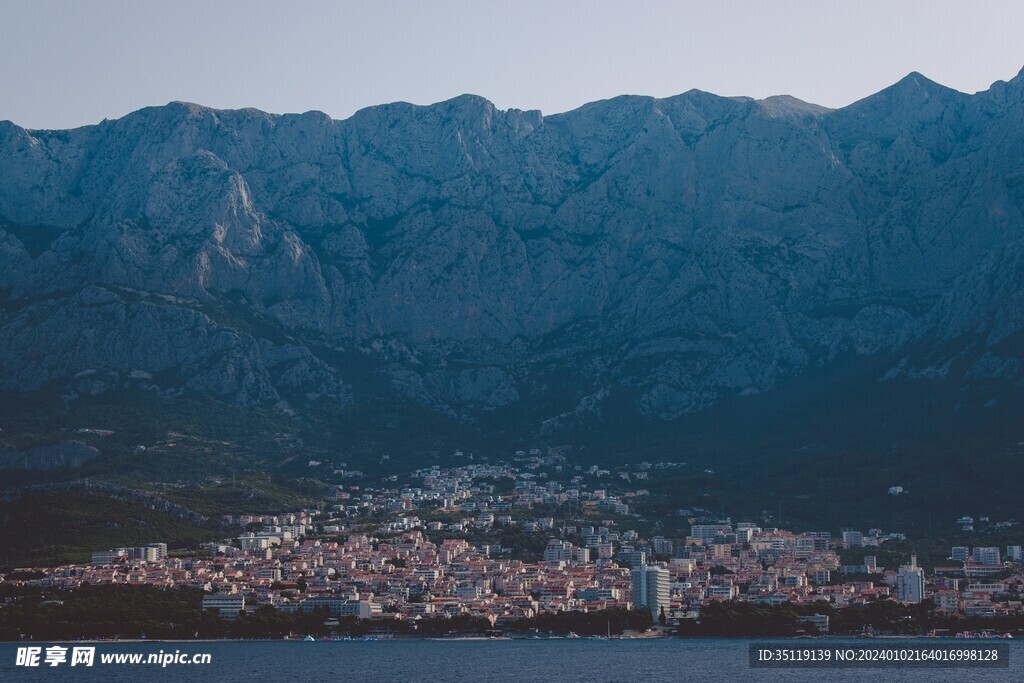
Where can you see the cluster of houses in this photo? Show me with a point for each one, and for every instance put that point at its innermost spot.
(535, 481)
(402, 553)
(289, 563)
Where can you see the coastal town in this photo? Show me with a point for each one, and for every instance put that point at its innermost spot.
(436, 550)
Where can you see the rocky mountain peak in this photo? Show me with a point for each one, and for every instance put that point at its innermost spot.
(787, 105)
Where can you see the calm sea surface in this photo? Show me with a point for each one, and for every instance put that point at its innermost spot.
(515, 660)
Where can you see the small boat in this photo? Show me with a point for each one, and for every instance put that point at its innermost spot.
(308, 639)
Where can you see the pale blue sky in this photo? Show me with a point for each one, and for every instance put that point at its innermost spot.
(70, 63)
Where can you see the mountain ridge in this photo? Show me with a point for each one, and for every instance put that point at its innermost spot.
(913, 77)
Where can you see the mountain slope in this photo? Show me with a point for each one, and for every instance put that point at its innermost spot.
(652, 256)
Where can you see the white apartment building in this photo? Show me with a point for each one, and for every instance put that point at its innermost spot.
(910, 582)
(650, 588)
(986, 555)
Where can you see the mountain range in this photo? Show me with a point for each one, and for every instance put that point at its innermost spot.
(634, 261)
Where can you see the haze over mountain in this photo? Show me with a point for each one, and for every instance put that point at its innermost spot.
(638, 255)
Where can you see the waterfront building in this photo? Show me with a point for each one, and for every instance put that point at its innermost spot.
(650, 588)
(227, 605)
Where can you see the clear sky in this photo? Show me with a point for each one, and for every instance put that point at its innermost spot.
(70, 63)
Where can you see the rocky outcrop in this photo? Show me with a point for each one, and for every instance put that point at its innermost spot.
(60, 455)
(681, 249)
